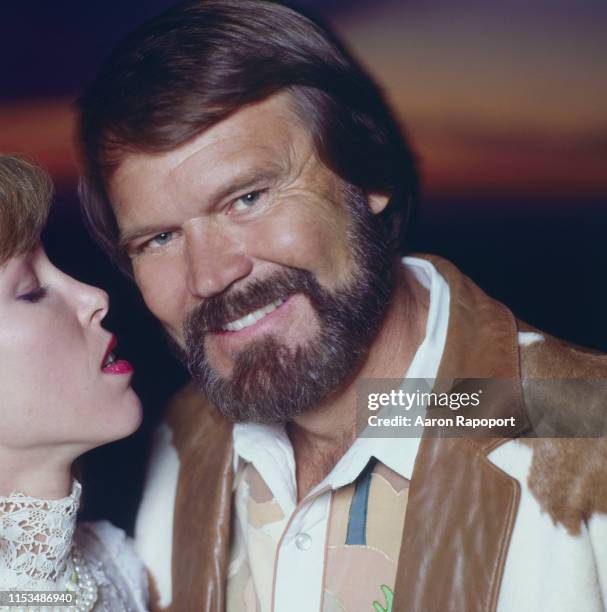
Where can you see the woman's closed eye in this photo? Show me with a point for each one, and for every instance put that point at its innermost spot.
(35, 295)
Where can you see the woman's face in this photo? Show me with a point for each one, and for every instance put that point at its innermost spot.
(54, 390)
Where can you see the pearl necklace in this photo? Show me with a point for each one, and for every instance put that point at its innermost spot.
(82, 583)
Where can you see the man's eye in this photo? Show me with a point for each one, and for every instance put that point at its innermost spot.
(34, 296)
(155, 242)
(247, 201)
(160, 239)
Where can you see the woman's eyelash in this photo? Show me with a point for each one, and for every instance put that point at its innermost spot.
(35, 295)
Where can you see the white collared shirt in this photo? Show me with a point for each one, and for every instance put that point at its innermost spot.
(289, 573)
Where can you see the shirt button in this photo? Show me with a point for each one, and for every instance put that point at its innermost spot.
(303, 541)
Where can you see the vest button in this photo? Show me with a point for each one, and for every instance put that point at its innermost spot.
(303, 541)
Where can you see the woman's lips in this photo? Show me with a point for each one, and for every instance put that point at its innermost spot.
(115, 366)
(118, 367)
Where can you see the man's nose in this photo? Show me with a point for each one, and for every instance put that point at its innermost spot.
(215, 260)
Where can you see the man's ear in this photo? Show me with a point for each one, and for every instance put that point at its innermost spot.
(377, 202)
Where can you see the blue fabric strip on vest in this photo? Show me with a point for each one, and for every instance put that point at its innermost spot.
(357, 521)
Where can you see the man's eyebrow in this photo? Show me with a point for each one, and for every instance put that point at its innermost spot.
(125, 238)
(242, 181)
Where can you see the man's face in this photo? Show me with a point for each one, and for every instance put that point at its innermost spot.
(269, 275)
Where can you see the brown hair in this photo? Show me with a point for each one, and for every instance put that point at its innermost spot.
(25, 196)
(201, 61)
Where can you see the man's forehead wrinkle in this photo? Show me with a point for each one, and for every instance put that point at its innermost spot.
(136, 220)
(266, 131)
(250, 126)
(131, 185)
(229, 143)
(219, 179)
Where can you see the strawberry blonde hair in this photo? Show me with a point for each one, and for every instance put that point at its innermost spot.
(25, 195)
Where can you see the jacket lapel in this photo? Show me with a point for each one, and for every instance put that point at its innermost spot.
(461, 507)
(201, 530)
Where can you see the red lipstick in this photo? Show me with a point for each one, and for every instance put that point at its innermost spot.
(118, 367)
(111, 365)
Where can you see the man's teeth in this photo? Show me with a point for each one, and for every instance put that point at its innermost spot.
(252, 317)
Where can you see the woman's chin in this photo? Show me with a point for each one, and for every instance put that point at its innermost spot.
(130, 418)
(121, 423)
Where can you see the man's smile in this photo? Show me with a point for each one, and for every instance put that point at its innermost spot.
(252, 317)
(278, 318)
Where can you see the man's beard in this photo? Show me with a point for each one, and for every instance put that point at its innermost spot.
(272, 382)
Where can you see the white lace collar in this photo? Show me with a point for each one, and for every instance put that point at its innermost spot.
(36, 538)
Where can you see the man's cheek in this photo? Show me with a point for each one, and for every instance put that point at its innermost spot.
(163, 298)
(306, 241)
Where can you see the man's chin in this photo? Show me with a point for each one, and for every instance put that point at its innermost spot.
(226, 364)
(264, 385)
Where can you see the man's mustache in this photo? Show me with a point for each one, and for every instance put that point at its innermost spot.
(215, 312)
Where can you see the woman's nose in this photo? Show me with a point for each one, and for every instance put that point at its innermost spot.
(93, 303)
(90, 303)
